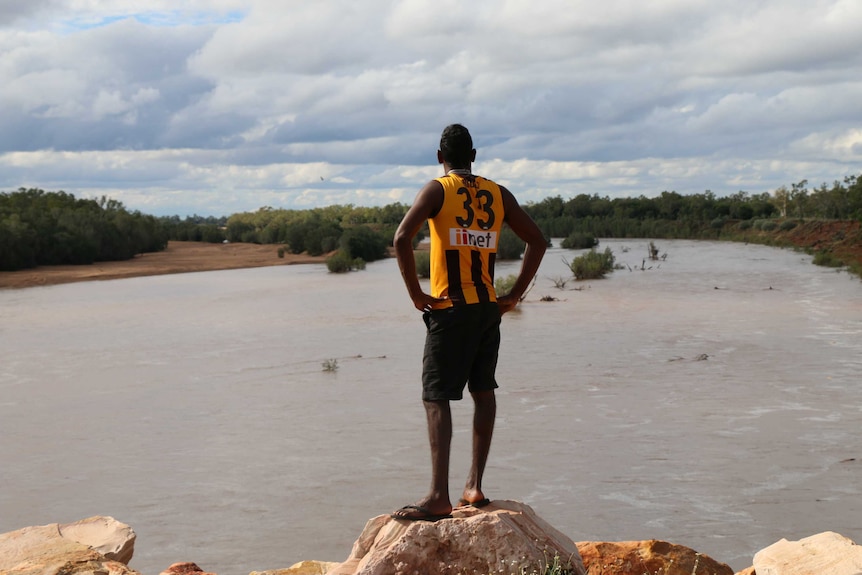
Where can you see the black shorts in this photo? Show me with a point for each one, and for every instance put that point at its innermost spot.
(461, 347)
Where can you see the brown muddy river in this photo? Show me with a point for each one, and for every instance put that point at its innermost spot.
(711, 401)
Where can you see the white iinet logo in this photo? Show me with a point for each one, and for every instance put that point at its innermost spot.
(465, 237)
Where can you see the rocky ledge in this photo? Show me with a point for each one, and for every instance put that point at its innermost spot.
(505, 537)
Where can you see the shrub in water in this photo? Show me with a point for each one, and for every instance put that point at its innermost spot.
(340, 262)
(330, 365)
(823, 258)
(423, 264)
(510, 246)
(592, 265)
(503, 286)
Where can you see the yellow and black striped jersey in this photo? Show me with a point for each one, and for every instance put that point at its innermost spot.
(464, 237)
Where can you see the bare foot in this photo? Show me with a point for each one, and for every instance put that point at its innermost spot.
(473, 498)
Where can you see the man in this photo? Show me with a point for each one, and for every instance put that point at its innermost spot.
(462, 313)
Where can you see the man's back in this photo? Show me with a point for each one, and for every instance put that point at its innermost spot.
(465, 234)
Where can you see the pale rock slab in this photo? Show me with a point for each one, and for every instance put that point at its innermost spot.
(650, 557)
(106, 535)
(826, 553)
(502, 538)
(47, 550)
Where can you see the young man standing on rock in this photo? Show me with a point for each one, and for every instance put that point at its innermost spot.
(462, 313)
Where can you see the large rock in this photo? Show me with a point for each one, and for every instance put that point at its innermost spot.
(504, 537)
(69, 549)
(826, 553)
(640, 557)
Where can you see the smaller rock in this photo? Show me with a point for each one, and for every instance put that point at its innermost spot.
(187, 568)
(302, 568)
(646, 557)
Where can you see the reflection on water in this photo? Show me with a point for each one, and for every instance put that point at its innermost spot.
(711, 401)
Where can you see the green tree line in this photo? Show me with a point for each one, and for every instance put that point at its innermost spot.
(53, 228)
(673, 215)
(195, 228)
(356, 234)
(44, 228)
(316, 230)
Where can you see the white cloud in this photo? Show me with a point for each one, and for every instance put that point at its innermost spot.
(242, 103)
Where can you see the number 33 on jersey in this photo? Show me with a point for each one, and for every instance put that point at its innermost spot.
(466, 231)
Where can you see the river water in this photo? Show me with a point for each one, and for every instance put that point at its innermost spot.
(711, 400)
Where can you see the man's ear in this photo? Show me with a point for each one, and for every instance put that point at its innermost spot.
(473, 156)
(439, 157)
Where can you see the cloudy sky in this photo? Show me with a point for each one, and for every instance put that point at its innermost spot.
(219, 106)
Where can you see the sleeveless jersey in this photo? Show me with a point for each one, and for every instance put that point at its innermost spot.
(464, 236)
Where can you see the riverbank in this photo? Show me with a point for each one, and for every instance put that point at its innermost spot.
(179, 257)
(832, 242)
(840, 239)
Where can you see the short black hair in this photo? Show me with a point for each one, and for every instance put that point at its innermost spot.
(456, 145)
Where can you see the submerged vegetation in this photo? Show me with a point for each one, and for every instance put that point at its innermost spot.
(592, 265)
(341, 262)
(423, 263)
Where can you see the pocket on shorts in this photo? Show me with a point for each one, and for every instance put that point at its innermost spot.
(438, 320)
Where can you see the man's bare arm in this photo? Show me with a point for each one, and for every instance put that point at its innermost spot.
(526, 229)
(427, 203)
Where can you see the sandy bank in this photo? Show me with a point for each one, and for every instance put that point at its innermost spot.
(179, 257)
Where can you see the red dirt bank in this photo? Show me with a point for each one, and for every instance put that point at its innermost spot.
(842, 239)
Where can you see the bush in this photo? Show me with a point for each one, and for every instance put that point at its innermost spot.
(592, 265)
(744, 225)
(579, 241)
(787, 225)
(340, 262)
(717, 223)
(510, 246)
(423, 264)
(827, 259)
(768, 225)
(503, 286)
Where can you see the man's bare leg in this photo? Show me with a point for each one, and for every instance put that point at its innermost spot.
(483, 431)
(437, 502)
